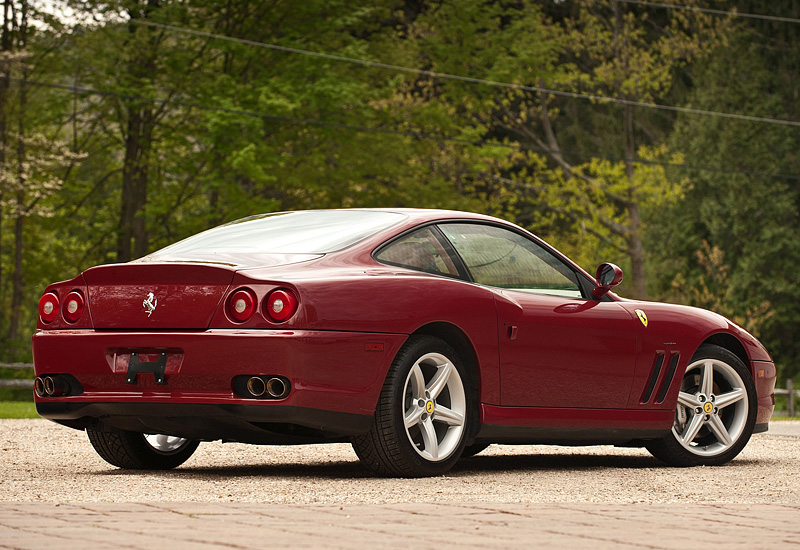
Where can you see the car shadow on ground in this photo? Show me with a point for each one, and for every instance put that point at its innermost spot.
(553, 462)
(477, 465)
(327, 470)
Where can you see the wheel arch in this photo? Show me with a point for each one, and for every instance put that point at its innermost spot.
(456, 337)
(733, 345)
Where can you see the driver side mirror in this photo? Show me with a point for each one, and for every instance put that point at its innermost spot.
(608, 276)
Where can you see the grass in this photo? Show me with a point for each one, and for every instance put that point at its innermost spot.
(18, 409)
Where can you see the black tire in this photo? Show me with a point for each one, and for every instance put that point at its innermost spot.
(132, 451)
(714, 434)
(472, 450)
(433, 442)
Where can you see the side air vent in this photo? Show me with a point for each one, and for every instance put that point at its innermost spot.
(673, 364)
(654, 373)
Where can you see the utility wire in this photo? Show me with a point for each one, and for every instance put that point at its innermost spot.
(388, 131)
(712, 11)
(448, 76)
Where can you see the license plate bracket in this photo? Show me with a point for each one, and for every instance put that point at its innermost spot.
(157, 368)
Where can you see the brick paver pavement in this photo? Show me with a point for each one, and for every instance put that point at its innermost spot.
(198, 526)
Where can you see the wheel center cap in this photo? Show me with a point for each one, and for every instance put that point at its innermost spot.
(708, 407)
(429, 407)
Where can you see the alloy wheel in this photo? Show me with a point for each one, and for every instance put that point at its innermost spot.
(712, 408)
(166, 444)
(434, 407)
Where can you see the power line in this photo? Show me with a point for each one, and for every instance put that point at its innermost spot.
(388, 131)
(712, 11)
(495, 83)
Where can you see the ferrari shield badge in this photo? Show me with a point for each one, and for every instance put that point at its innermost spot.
(642, 317)
(150, 304)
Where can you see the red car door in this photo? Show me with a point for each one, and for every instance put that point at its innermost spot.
(558, 347)
(564, 353)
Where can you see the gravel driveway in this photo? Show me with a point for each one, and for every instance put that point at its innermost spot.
(56, 493)
(41, 461)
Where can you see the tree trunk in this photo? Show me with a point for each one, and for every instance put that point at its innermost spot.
(134, 171)
(19, 222)
(16, 293)
(140, 235)
(5, 45)
(133, 237)
(635, 246)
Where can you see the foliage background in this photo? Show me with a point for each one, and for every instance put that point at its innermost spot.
(126, 125)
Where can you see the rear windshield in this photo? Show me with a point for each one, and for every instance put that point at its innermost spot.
(309, 232)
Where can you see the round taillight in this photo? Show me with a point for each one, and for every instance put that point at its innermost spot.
(242, 305)
(280, 305)
(73, 307)
(48, 307)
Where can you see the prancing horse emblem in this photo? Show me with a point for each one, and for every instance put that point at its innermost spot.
(150, 304)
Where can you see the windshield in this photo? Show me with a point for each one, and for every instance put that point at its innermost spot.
(308, 232)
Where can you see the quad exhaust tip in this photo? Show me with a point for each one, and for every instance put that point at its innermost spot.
(256, 386)
(38, 386)
(50, 386)
(274, 387)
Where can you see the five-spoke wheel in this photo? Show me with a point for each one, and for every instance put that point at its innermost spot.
(715, 414)
(422, 418)
(434, 407)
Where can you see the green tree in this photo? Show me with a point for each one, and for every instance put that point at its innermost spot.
(589, 206)
(33, 160)
(612, 50)
(750, 218)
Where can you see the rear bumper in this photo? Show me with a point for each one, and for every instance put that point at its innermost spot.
(335, 377)
(260, 424)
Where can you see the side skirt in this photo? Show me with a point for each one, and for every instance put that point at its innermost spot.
(534, 425)
(520, 435)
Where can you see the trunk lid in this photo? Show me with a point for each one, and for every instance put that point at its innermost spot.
(156, 296)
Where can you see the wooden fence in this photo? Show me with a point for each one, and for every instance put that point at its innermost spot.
(791, 393)
(16, 383)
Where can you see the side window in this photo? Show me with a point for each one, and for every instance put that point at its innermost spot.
(502, 258)
(420, 250)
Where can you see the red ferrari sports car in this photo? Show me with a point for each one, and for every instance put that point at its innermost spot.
(420, 336)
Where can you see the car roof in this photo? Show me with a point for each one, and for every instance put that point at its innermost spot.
(424, 214)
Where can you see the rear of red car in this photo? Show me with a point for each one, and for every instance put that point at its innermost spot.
(203, 350)
(133, 348)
